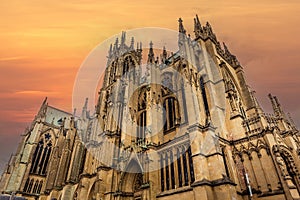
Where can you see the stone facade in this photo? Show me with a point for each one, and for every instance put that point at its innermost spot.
(189, 127)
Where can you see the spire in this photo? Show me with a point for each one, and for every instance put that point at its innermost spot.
(181, 28)
(45, 101)
(210, 32)
(116, 46)
(276, 106)
(197, 27)
(86, 103)
(85, 107)
(227, 52)
(151, 54)
(132, 43)
(164, 55)
(110, 50)
(123, 37)
(291, 121)
(43, 108)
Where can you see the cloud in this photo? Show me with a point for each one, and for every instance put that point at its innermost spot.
(12, 58)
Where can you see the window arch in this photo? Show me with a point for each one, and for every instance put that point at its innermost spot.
(35, 187)
(179, 159)
(142, 114)
(30, 186)
(127, 65)
(26, 185)
(169, 113)
(41, 156)
(142, 125)
(40, 187)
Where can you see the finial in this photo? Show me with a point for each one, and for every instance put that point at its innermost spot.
(181, 28)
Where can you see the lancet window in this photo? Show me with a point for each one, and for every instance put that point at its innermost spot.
(41, 156)
(177, 168)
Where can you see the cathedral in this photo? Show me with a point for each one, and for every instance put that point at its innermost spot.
(183, 125)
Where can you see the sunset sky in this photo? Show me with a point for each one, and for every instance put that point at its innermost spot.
(43, 44)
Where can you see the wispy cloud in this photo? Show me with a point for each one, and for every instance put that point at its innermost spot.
(36, 92)
(13, 58)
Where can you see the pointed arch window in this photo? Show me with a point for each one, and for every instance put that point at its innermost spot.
(179, 168)
(204, 96)
(127, 65)
(37, 156)
(172, 170)
(142, 116)
(41, 156)
(180, 160)
(35, 187)
(30, 186)
(26, 185)
(169, 113)
(40, 187)
(142, 125)
(162, 176)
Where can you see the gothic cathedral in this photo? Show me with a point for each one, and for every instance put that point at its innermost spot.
(183, 125)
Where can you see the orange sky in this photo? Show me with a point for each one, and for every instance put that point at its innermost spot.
(44, 42)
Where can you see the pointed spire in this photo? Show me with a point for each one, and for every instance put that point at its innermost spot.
(227, 52)
(276, 106)
(208, 26)
(123, 37)
(132, 43)
(151, 58)
(291, 121)
(164, 55)
(43, 108)
(197, 27)
(74, 112)
(110, 50)
(86, 102)
(209, 32)
(181, 28)
(85, 107)
(45, 101)
(116, 46)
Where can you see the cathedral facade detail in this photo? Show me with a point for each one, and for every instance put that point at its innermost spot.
(182, 125)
